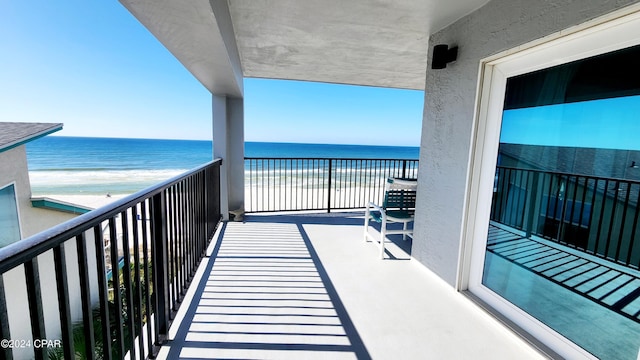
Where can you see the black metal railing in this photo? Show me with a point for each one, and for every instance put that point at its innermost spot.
(134, 261)
(593, 214)
(292, 184)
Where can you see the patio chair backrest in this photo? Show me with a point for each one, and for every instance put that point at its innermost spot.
(400, 194)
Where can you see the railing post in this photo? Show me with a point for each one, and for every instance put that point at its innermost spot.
(329, 188)
(62, 285)
(532, 205)
(562, 190)
(103, 291)
(215, 198)
(85, 296)
(160, 264)
(404, 169)
(34, 297)
(5, 352)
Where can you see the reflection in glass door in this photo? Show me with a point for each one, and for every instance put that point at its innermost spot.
(564, 233)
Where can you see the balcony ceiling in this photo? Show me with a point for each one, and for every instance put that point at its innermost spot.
(361, 42)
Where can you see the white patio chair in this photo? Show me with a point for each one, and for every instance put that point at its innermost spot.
(398, 206)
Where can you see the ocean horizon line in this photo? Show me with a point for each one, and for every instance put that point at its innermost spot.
(246, 141)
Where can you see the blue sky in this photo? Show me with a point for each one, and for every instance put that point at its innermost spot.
(93, 67)
(606, 123)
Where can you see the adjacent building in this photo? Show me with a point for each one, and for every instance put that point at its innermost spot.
(21, 214)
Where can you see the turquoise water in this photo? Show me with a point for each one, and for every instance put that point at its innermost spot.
(80, 165)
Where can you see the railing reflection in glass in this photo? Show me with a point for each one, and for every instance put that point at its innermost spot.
(596, 215)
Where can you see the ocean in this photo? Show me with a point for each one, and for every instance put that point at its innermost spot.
(61, 165)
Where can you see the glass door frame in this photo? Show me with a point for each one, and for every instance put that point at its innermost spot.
(612, 32)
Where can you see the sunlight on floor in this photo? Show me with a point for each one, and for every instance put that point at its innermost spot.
(263, 297)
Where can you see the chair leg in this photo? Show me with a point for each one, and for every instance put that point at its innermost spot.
(383, 235)
(366, 223)
(404, 231)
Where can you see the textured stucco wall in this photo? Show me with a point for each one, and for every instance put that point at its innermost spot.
(449, 109)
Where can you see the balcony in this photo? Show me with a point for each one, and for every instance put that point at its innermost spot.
(158, 275)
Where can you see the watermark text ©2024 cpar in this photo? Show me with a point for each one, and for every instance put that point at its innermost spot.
(37, 343)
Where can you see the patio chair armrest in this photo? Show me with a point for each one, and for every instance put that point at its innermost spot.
(375, 206)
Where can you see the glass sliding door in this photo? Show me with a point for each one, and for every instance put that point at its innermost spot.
(561, 231)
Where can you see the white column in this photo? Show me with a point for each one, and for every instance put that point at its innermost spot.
(235, 155)
(228, 144)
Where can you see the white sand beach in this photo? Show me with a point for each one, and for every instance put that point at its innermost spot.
(257, 200)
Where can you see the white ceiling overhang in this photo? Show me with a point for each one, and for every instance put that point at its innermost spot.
(359, 42)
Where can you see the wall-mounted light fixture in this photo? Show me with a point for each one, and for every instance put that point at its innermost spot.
(442, 55)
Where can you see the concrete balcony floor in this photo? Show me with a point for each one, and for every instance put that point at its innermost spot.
(306, 286)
